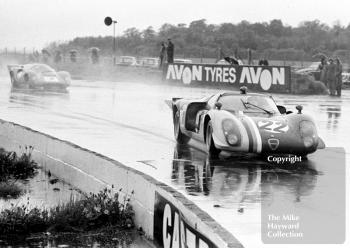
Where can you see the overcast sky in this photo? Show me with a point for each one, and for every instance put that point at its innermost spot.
(34, 23)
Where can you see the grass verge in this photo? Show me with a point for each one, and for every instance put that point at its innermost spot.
(10, 190)
(92, 212)
(17, 167)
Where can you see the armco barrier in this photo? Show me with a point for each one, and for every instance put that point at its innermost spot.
(164, 214)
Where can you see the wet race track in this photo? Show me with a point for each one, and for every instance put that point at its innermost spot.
(131, 123)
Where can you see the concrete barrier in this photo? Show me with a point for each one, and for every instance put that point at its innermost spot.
(164, 214)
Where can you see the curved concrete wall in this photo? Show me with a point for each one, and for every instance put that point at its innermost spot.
(91, 172)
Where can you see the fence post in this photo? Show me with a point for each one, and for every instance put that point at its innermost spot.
(201, 55)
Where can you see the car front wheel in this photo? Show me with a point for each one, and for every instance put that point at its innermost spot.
(211, 149)
(179, 136)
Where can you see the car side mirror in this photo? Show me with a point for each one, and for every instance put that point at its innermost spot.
(218, 105)
(282, 109)
(299, 108)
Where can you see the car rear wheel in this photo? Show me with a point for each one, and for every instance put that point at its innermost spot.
(12, 78)
(13, 81)
(26, 78)
(179, 136)
(211, 149)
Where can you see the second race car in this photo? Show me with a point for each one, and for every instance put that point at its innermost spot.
(242, 122)
(38, 76)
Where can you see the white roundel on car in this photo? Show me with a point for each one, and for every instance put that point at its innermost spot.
(265, 80)
(187, 76)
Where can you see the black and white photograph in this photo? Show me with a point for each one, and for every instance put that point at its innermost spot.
(174, 124)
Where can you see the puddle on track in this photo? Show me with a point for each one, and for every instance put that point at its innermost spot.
(43, 191)
(48, 191)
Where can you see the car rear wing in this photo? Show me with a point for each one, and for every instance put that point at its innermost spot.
(171, 102)
(174, 99)
(14, 67)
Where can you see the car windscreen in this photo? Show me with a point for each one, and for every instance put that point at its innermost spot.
(42, 68)
(248, 104)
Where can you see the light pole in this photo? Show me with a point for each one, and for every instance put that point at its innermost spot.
(108, 22)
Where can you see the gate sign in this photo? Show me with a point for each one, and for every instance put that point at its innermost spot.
(259, 78)
(172, 231)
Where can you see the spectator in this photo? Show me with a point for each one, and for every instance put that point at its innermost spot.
(95, 57)
(45, 55)
(58, 57)
(331, 76)
(170, 51)
(162, 54)
(266, 62)
(73, 55)
(322, 67)
(263, 62)
(338, 81)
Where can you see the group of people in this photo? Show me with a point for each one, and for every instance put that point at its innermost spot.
(263, 62)
(166, 53)
(331, 75)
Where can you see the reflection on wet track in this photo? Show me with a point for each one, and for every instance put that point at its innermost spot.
(234, 188)
(237, 180)
(132, 124)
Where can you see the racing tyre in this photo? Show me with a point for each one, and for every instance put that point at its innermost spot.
(179, 136)
(211, 149)
(12, 79)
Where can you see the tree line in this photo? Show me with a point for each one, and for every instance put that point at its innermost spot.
(273, 40)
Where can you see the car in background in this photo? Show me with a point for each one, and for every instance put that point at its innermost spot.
(310, 70)
(346, 78)
(313, 70)
(127, 61)
(183, 61)
(225, 62)
(38, 76)
(242, 122)
(149, 62)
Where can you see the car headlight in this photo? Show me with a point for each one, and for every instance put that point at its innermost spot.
(232, 139)
(308, 133)
(231, 132)
(67, 79)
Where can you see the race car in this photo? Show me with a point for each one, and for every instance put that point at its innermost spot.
(38, 76)
(244, 122)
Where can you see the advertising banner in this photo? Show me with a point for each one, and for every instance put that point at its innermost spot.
(258, 78)
(171, 230)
